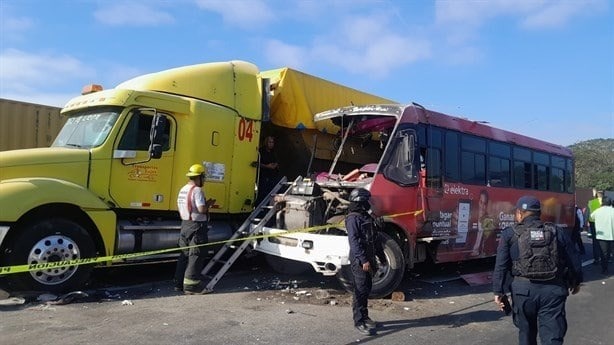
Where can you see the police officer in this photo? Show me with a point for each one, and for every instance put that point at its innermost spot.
(538, 306)
(364, 247)
(194, 211)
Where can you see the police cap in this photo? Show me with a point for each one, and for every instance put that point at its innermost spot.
(528, 203)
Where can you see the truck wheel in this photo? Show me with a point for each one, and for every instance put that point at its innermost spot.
(286, 266)
(388, 275)
(51, 240)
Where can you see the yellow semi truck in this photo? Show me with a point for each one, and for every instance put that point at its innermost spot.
(108, 183)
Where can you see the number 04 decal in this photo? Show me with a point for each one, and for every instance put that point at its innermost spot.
(246, 129)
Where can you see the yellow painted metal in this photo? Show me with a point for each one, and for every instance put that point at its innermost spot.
(298, 96)
(61, 163)
(21, 195)
(234, 84)
(105, 221)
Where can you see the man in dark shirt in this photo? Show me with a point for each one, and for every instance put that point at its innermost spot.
(538, 306)
(269, 169)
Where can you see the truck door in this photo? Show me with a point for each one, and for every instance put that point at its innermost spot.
(137, 181)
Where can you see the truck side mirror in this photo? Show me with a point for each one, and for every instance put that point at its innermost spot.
(156, 135)
(155, 151)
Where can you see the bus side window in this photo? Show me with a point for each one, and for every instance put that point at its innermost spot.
(433, 168)
(523, 168)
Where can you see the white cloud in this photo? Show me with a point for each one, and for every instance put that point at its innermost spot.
(556, 14)
(132, 14)
(243, 13)
(282, 54)
(368, 45)
(461, 22)
(13, 27)
(37, 77)
(16, 24)
(22, 70)
(530, 13)
(115, 74)
(33, 74)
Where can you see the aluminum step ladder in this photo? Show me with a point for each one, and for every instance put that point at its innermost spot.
(230, 251)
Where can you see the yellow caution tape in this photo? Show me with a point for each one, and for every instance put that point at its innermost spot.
(413, 213)
(6, 270)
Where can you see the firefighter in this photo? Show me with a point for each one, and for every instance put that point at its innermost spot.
(540, 265)
(364, 247)
(194, 211)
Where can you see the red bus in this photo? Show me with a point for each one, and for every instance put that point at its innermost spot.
(445, 186)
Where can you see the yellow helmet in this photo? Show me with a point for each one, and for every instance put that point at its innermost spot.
(196, 170)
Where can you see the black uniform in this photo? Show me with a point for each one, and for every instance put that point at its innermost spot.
(537, 305)
(364, 247)
(268, 177)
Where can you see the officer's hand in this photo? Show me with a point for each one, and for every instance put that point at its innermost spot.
(574, 290)
(499, 302)
(366, 266)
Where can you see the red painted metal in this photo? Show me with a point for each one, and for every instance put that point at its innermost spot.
(465, 219)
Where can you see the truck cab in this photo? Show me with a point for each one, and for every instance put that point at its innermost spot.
(108, 183)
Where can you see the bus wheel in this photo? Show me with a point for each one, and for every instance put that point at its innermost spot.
(286, 266)
(388, 276)
(48, 241)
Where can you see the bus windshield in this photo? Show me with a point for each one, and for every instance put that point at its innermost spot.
(87, 129)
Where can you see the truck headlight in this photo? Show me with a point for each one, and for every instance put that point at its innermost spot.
(307, 244)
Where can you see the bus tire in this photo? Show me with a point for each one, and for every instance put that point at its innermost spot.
(286, 266)
(51, 240)
(388, 276)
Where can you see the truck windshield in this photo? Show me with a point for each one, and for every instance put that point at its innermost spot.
(87, 129)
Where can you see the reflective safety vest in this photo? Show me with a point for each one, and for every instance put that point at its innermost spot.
(592, 206)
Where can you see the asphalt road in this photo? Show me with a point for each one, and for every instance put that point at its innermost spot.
(253, 305)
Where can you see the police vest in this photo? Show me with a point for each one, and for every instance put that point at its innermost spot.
(538, 251)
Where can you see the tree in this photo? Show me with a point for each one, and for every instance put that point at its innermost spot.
(594, 163)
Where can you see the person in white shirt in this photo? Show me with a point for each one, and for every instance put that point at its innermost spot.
(604, 230)
(194, 211)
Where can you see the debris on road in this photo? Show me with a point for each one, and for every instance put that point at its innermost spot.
(46, 297)
(398, 296)
(67, 298)
(12, 301)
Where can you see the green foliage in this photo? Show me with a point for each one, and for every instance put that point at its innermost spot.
(594, 163)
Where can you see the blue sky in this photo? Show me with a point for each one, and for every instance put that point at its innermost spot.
(543, 68)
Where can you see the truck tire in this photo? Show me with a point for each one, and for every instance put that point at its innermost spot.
(388, 276)
(51, 240)
(286, 266)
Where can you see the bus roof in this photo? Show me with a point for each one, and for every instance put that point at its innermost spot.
(415, 113)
